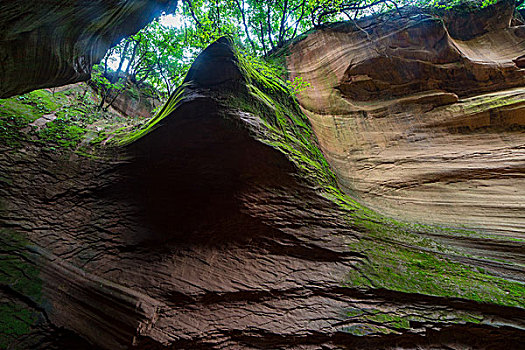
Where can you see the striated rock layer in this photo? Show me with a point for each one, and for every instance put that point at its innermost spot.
(56, 42)
(223, 228)
(423, 118)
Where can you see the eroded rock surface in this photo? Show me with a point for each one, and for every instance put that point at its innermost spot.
(207, 232)
(53, 43)
(423, 118)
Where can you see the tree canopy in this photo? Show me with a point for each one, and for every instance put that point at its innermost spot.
(160, 54)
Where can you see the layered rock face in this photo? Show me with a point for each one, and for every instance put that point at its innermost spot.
(422, 116)
(53, 43)
(134, 103)
(223, 228)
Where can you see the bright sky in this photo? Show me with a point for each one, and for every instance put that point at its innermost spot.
(171, 20)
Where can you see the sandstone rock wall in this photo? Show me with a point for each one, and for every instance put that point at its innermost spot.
(423, 118)
(207, 232)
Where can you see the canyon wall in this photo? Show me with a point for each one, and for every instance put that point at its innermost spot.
(422, 116)
(223, 227)
(221, 224)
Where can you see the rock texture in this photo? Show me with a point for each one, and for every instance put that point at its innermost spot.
(139, 105)
(53, 43)
(423, 118)
(208, 233)
(133, 103)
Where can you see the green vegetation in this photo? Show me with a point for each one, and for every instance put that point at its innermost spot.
(17, 112)
(413, 270)
(157, 57)
(75, 121)
(18, 273)
(462, 5)
(325, 11)
(63, 133)
(10, 127)
(152, 63)
(286, 127)
(399, 256)
(385, 321)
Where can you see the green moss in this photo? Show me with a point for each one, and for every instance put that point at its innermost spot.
(364, 329)
(16, 107)
(15, 321)
(393, 321)
(124, 136)
(11, 130)
(18, 273)
(390, 320)
(16, 113)
(17, 269)
(79, 124)
(62, 133)
(400, 256)
(410, 270)
(286, 127)
(30, 106)
(44, 100)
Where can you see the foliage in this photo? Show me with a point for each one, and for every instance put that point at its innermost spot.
(323, 11)
(297, 85)
(155, 59)
(159, 55)
(101, 80)
(105, 85)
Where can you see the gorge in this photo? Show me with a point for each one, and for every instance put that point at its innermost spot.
(382, 207)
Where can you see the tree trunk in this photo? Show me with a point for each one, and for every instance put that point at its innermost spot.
(247, 31)
(137, 42)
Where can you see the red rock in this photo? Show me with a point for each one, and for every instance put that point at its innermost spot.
(385, 108)
(520, 61)
(203, 234)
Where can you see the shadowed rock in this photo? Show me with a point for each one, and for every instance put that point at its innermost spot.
(53, 43)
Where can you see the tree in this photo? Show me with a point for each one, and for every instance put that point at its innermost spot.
(160, 55)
